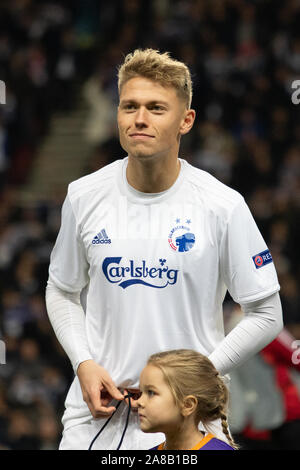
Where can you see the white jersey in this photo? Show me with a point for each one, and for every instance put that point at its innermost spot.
(155, 267)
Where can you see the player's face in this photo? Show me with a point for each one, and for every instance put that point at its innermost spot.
(157, 409)
(151, 119)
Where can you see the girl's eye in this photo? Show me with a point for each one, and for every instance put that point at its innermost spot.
(150, 393)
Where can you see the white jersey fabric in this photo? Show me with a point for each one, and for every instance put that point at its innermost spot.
(155, 267)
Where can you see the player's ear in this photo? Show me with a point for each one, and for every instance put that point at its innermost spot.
(187, 121)
(189, 405)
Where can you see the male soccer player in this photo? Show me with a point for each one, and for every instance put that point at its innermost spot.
(147, 248)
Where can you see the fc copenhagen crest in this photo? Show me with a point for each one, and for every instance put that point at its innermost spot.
(181, 238)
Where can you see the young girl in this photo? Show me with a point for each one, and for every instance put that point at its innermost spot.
(179, 389)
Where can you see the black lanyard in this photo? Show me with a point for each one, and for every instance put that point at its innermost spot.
(126, 424)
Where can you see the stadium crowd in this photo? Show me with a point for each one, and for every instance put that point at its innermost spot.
(244, 56)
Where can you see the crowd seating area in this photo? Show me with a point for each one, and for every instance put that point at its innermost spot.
(244, 56)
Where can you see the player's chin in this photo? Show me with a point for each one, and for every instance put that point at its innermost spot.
(142, 149)
(142, 154)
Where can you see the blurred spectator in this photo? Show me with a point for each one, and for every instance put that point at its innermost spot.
(65, 71)
(21, 432)
(290, 299)
(49, 433)
(101, 121)
(217, 151)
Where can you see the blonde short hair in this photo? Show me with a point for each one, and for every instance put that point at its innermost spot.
(160, 67)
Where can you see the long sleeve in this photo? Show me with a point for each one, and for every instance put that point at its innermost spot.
(68, 321)
(261, 324)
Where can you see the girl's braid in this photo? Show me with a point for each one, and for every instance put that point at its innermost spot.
(226, 430)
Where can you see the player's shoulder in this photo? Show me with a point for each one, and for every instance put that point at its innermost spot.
(211, 189)
(93, 181)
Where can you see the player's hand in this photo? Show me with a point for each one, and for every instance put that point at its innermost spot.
(98, 389)
(133, 400)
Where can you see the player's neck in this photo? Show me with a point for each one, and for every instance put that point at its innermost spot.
(186, 439)
(153, 175)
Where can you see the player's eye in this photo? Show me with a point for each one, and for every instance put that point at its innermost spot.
(150, 393)
(157, 108)
(129, 106)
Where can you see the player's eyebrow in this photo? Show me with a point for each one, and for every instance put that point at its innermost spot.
(149, 103)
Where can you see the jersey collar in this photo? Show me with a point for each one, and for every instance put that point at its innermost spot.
(147, 198)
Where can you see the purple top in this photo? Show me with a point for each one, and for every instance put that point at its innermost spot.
(209, 442)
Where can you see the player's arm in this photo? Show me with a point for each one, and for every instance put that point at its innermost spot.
(68, 275)
(248, 271)
(67, 318)
(260, 325)
(68, 321)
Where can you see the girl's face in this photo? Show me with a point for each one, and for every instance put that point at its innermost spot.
(156, 405)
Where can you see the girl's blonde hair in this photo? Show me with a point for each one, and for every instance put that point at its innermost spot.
(160, 67)
(188, 372)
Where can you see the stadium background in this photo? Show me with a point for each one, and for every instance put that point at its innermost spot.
(58, 60)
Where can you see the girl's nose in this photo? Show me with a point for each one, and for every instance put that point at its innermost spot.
(139, 402)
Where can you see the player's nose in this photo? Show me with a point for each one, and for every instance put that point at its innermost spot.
(141, 117)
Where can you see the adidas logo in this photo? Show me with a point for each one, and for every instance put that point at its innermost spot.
(101, 238)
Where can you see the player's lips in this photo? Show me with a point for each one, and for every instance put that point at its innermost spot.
(141, 136)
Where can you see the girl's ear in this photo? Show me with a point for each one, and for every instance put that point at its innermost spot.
(189, 405)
